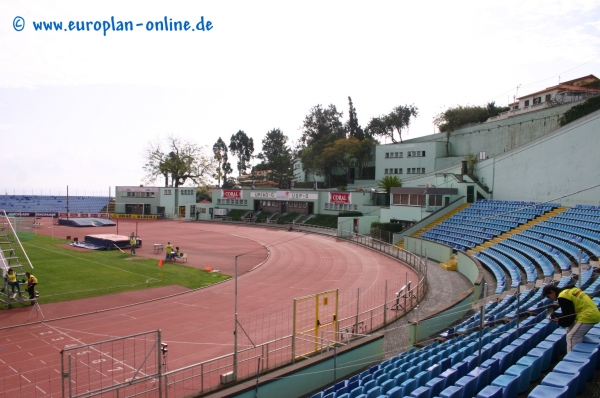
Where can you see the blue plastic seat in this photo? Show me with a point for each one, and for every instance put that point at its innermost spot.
(483, 377)
(395, 392)
(356, 392)
(535, 363)
(436, 385)
(581, 357)
(545, 354)
(462, 369)
(368, 385)
(387, 385)
(591, 350)
(451, 392)
(422, 377)
(468, 385)
(509, 384)
(408, 386)
(400, 378)
(490, 392)
(450, 376)
(572, 368)
(542, 391)
(571, 381)
(525, 375)
(421, 392)
(434, 370)
(374, 392)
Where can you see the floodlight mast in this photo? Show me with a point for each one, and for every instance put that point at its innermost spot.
(235, 341)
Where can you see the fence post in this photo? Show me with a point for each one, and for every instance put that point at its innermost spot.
(385, 303)
(357, 309)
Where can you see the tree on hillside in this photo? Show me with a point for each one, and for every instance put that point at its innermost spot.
(242, 147)
(352, 126)
(399, 118)
(221, 156)
(396, 121)
(321, 126)
(276, 156)
(389, 182)
(454, 118)
(178, 163)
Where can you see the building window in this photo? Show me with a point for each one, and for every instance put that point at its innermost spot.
(387, 155)
(548, 97)
(526, 103)
(423, 153)
(401, 154)
(167, 191)
(537, 100)
(400, 171)
(395, 171)
(409, 154)
(422, 170)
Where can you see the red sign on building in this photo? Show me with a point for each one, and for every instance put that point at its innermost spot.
(231, 194)
(339, 197)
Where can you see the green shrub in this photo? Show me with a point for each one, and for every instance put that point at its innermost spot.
(347, 213)
(289, 217)
(323, 220)
(579, 111)
(236, 214)
(387, 226)
(263, 216)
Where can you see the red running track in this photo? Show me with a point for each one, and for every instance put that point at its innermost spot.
(198, 325)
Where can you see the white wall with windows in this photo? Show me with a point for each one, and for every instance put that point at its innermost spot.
(405, 160)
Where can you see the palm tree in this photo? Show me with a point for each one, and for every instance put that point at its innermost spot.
(388, 182)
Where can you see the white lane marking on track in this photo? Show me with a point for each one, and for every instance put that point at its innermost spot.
(13, 369)
(28, 381)
(44, 392)
(128, 316)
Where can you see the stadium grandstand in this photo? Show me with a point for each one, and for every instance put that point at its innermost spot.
(53, 204)
(523, 216)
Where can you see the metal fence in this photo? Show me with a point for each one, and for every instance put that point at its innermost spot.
(267, 339)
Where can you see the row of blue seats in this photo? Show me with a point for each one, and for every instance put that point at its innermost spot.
(458, 371)
(456, 243)
(537, 257)
(517, 203)
(481, 226)
(587, 207)
(563, 262)
(455, 235)
(499, 274)
(589, 240)
(586, 226)
(550, 237)
(582, 217)
(500, 223)
(506, 263)
(464, 231)
(519, 260)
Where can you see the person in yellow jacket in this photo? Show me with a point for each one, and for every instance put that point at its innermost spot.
(168, 251)
(11, 278)
(579, 312)
(132, 243)
(31, 282)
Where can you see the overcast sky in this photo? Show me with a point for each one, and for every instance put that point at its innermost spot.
(78, 108)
